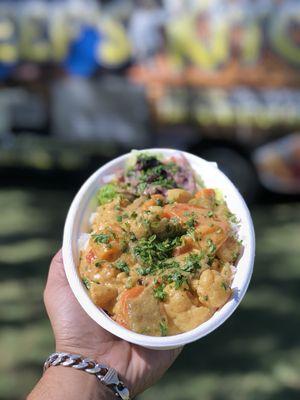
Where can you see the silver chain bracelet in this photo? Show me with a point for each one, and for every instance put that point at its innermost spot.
(107, 375)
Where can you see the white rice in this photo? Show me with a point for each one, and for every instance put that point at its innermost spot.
(92, 218)
(83, 241)
(233, 270)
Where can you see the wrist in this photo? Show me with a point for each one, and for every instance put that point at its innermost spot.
(62, 383)
(82, 382)
(107, 375)
(73, 349)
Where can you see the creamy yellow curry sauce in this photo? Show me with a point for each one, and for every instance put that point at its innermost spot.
(161, 252)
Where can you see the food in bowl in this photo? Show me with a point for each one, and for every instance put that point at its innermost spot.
(160, 256)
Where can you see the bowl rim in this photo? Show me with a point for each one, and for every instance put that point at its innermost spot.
(99, 315)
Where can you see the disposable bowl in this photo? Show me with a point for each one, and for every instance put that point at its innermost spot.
(77, 222)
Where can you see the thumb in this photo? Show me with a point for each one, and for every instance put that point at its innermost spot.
(57, 281)
(56, 275)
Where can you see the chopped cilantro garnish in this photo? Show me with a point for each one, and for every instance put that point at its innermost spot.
(159, 292)
(132, 237)
(150, 251)
(192, 262)
(101, 238)
(177, 278)
(191, 233)
(86, 282)
(122, 266)
(191, 222)
(127, 225)
(224, 286)
(169, 265)
(174, 221)
(144, 271)
(98, 263)
(124, 245)
(235, 255)
(232, 217)
(163, 328)
(119, 218)
(211, 246)
(210, 214)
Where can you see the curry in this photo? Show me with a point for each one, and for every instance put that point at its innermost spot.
(162, 248)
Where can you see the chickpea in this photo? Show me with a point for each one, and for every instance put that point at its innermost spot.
(213, 290)
(177, 301)
(106, 273)
(121, 277)
(190, 319)
(226, 272)
(140, 230)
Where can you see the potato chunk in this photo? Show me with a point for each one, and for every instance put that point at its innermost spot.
(103, 295)
(138, 310)
(230, 250)
(179, 195)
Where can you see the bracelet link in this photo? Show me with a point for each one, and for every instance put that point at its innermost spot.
(98, 368)
(122, 391)
(111, 379)
(105, 374)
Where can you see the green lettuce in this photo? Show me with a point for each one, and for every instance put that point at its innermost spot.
(107, 193)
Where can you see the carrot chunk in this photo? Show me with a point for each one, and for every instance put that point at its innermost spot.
(180, 210)
(152, 201)
(205, 193)
(122, 316)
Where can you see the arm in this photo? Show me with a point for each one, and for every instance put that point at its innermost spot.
(76, 333)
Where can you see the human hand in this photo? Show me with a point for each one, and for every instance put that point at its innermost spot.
(75, 332)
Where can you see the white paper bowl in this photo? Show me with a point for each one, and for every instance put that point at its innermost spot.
(77, 223)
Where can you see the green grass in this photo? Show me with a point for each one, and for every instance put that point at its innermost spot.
(255, 355)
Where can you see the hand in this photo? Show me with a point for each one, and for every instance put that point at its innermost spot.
(75, 332)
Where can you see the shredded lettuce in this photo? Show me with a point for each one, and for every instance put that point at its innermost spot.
(219, 195)
(199, 180)
(107, 193)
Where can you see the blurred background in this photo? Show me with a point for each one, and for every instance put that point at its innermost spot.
(82, 81)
